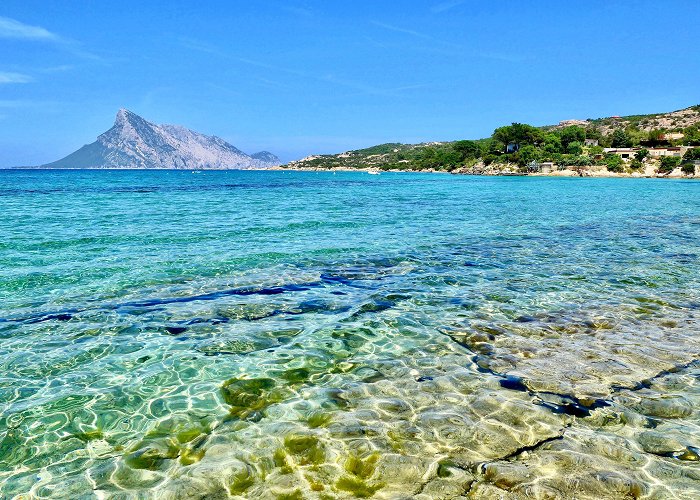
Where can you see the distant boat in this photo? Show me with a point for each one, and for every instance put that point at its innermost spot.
(373, 172)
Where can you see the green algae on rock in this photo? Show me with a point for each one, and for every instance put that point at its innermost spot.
(249, 397)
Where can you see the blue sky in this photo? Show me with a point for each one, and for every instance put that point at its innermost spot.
(301, 77)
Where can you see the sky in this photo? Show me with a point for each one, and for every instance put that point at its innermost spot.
(306, 77)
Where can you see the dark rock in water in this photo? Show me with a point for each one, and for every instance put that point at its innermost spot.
(575, 410)
(513, 383)
(525, 319)
(376, 306)
(175, 330)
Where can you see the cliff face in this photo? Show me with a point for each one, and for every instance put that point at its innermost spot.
(137, 143)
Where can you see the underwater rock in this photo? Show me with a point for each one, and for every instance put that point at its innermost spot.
(659, 443)
(666, 406)
(249, 397)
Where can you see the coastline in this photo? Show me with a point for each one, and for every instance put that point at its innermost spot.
(507, 171)
(495, 171)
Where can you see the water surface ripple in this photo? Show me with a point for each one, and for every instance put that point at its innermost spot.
(317, 335)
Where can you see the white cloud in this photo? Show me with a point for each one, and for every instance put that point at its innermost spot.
(10, 28)
(14, 78)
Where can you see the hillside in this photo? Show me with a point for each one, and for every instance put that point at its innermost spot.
(577, 143)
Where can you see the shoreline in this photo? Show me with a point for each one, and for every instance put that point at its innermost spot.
(591, 173)
(599, 172)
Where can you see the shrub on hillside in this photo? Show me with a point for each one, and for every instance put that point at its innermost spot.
(614, 163)
(688, 168)
(668, 164)
(641, 154)
(692, 154)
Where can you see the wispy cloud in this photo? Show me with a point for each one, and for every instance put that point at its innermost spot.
(358, 86)
(442, 45)
(11, 28)
(416, 34)
(398, 29)
(19, 103)
(14, 78)
(57, 69)
(444, 6)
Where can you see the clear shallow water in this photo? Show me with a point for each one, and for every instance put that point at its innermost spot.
(320, 335)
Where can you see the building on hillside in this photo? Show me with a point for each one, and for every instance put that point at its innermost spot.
(668, 151)
(547, 167)
(624, 153)
(590, 142)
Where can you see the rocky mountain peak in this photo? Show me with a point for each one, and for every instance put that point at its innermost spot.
(134, 142)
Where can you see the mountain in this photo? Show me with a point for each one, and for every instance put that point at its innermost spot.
(137, 143)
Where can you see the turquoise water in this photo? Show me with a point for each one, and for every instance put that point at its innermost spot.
(316, 335)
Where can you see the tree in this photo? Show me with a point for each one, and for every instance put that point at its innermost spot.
(655, 137)
(518, 133)
(467, 150)
(636, 164)
(620, 139)
(571, 134)
(594, 133)
(614, 163)
(552, 144)
(526, 154)
(581, 161)
(641, 154)
(688, 168)
(691, 136)
(574, 148)
(692, 154)
(668, 164)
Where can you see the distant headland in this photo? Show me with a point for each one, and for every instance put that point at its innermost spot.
(654, 145)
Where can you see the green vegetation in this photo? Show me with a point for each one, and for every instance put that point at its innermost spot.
(621, 139)
(522, 147)
(359, 471)
(689, 159)
(614, 163)
(692, 155)
(688, 168)
(668, 164)
(641, 154)
(250, 397)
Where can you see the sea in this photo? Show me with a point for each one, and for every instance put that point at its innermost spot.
(292, 335)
